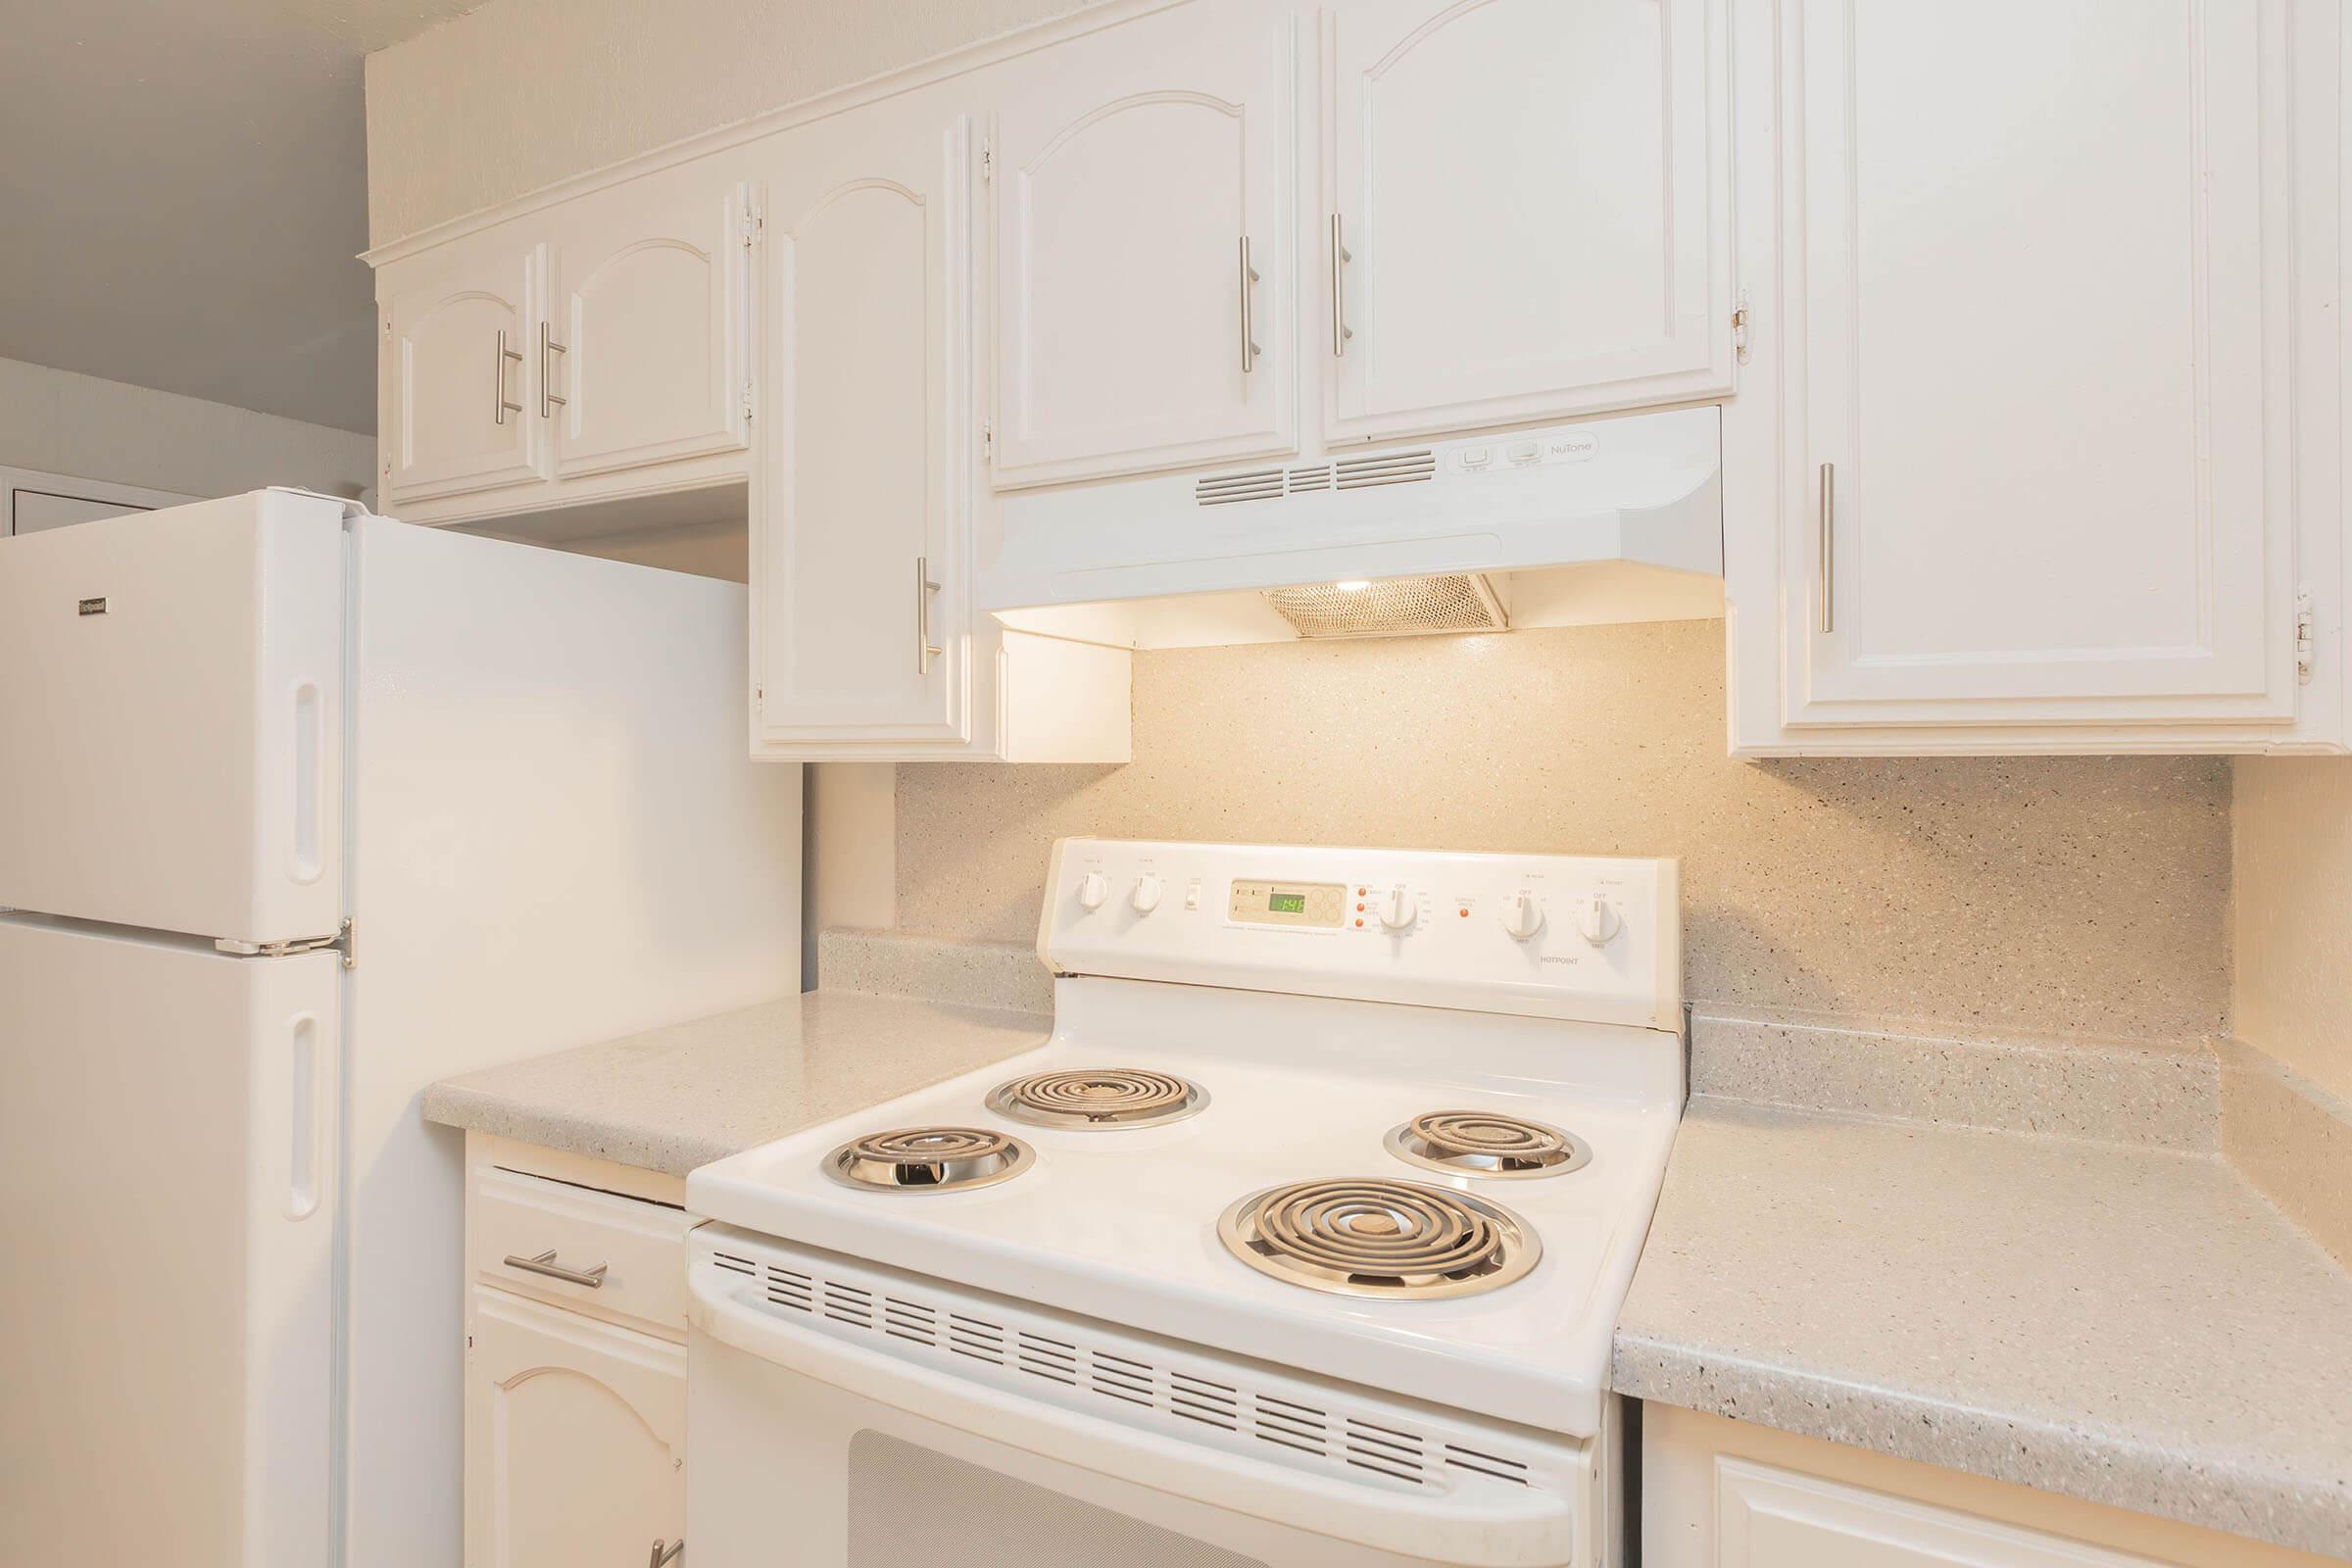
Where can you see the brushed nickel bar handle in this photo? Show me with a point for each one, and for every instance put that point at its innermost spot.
(1341, 331)
(1829, 548)
(1248, 330)
(497, 372)
(665, 1552)
(926, 650)
(544, 1263)
(549, 402)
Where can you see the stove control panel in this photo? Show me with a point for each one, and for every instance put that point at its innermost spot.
(1553, 936)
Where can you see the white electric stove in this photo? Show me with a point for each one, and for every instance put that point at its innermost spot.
(1300, 1241)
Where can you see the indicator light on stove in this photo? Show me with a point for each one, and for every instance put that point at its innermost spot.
(1396, 911)
(1091, 890)
(1145, 897)
(1599, 921)
(1522, 916)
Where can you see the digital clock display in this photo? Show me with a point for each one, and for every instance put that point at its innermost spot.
(1286, 903)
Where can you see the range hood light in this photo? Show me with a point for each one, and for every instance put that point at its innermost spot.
(1395, 607)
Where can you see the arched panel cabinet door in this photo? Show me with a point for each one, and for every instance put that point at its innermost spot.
(1526, 211)
(861, 569)
(461, 398)
(577, 1437)
(1142, 186)
(644, 357)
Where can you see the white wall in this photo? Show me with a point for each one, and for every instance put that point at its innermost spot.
(2292, 892)
(61, 423)
(522, 94)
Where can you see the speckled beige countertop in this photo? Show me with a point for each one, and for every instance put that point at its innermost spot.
(2134, 1326)
(672, 1099)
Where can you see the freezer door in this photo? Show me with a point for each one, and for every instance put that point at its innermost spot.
(172, 719)
(167, 1306)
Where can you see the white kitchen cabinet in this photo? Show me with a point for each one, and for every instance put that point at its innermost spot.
(1723, 1493)
(577, 1433)
(861, 570)
(575, 1360)
(598, 348)
(460, 370)
(2024, 462)
(865, 639)
(643, 355)
(1143, 184)
(1526, 211)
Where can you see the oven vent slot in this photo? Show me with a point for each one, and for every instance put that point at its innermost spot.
(1486, 1464)
(1209, 1404)
(1049, 1359)
(910, 1320)
(1386, 467)
(1293, 1426)
(1120, 1378)
(976, 1338)
(790, 1288)
(1224, 489)
(1385, 1449)
(1231, 1415)
(1313, 477)
(846, 1303)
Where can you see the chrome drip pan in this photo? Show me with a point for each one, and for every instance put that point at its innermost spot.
(1483, 1142)
(928, 1160)
(1380, 1236)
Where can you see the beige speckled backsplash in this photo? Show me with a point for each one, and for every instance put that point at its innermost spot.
(2047, 894)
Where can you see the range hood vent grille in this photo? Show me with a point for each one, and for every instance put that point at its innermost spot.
(1400, 607)
(1349, 474)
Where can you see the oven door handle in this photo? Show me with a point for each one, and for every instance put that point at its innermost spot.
(1474, 1522)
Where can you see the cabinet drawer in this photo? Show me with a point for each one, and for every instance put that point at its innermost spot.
(640, 1247)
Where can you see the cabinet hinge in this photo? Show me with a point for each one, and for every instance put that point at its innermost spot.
(748, 409)
(1740, 329)
(988, 442)
(753, 223)
(988, 159)
(2303, 639)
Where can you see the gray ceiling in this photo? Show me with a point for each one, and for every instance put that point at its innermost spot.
(183, 186)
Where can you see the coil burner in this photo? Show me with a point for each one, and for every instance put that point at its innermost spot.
(928, 1160)
(1481, 1143)
(1378, 1237)
(1109, 1098)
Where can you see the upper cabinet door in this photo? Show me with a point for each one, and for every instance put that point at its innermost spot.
(459, 371)
(643, 356)
(1525, 212)
(2038, 421)
(1142, 186)
(860, 568)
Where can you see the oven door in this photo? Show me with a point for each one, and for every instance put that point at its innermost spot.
(826, 1439)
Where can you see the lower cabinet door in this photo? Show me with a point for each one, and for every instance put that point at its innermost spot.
(576, 1439)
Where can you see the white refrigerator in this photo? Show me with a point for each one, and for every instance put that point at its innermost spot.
(301, 810)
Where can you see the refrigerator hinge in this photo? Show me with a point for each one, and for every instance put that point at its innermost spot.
(340, 942)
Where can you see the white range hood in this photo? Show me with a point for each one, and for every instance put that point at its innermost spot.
(1604, 520)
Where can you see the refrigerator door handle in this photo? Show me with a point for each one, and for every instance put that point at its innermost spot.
(306, 1084)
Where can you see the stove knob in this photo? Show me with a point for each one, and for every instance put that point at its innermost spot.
(1147, 894)
(1397, 910)
(1091, 890)
(1598, 922)
(1522, 916)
